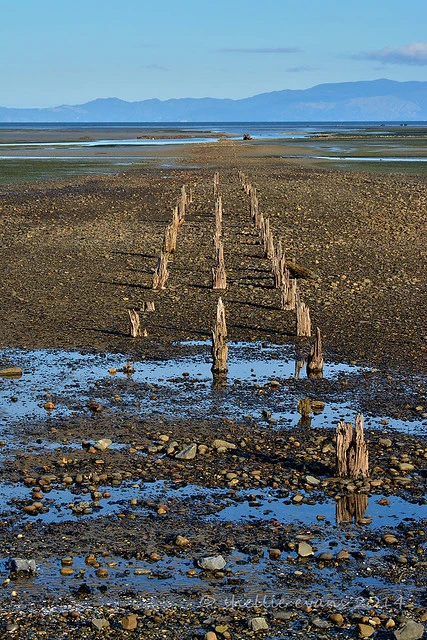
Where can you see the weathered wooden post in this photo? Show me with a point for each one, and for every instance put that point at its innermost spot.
(315, 358)
(169, 239)
(218, 214)
(216, 183)
(352, 450)
(135, 324)
(219, 276)
(303, 320)
(219, 342)
(161, 274)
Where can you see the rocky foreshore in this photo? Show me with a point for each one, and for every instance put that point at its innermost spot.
(169, 507)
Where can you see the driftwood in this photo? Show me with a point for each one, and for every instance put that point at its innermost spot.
(148, 305)
(219, 276)
(352, 450)
(351, 506)
(135, 324)
(219, 342)
(216, 183)
(161, 273)
(301, 272)
(303, 320)
(315, 358)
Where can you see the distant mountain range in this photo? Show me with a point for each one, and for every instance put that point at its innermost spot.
(366, 100)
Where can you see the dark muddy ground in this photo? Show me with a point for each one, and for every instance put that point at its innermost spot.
(75, 255)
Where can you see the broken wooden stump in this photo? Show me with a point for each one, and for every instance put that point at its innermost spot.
(148, 305)
(315, 358)
(169, 239)
(352, 450)
(161, 274)
(219, 342)
(303, 320)
(218, 215)
(135, 324)
(270, 250)
(216, 183)
(219, 276)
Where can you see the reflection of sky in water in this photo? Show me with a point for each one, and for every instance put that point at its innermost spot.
(254, 504)
(183, 385)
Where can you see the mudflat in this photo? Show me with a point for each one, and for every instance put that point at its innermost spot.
(170, 506)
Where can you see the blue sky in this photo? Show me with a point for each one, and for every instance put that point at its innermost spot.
(56, 52)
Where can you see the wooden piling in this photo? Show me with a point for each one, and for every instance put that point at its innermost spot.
(135, 324)
(219, 342)
(218, 215)
(315, 358)
(219, 276)
(216, 183)
(161, 273)
(303, 319)
(352, 450)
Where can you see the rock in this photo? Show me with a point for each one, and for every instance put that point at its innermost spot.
(336, 618)
(100, 623)
(343, 555)
(298, 498)
(188, 453)
(312, 480)
(274, 554)
(223, 445)
(11, 372)
(388, 538)
(212, 563)
(129, 622)
(317, 406)
(20, 564)
(181, 541)
(411, 630)
(406, 466)
(258, 624)
(103, 444)
(49, 406)
(326, 556)
(386, 443)
(211, 635)
(305, 550)
(365, 630)
(320, 624)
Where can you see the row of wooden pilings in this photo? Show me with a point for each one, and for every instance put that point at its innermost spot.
(351, 449)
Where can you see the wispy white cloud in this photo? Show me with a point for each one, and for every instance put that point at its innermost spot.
(263, 50)
(412, 54)
(300, 69)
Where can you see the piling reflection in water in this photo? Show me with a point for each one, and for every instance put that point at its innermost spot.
(351, 507)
